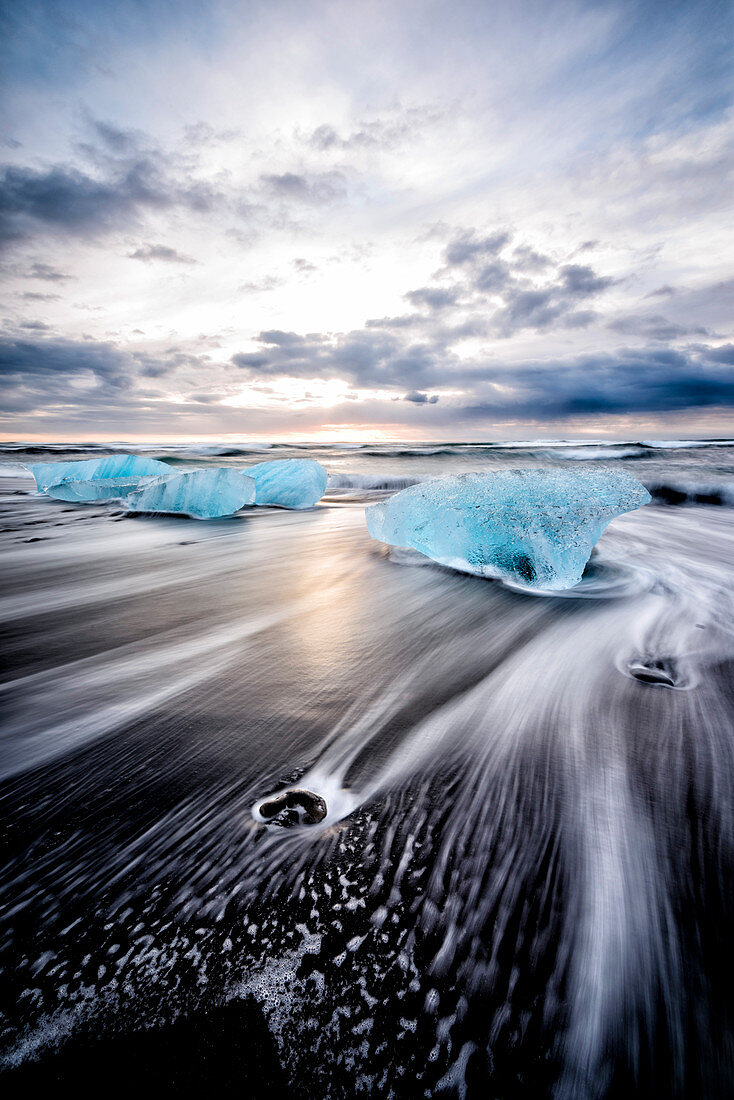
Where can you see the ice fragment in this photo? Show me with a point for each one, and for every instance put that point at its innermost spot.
(289, 482)
(206, 493)
(536, 527)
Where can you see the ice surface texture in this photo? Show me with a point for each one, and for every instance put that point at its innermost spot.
(289, 482)
(206, 494)
(536, 527)
(152, 486)
(107, 488)
(96, 469)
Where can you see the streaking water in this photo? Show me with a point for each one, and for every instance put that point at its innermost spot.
(523, 885)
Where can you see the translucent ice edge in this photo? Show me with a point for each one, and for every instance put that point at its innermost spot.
(95, 469)
(289, 482)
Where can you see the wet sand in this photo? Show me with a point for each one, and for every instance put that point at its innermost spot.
(522, 886)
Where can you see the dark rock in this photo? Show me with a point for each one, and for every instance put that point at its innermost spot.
(295, 807)
(658, 670)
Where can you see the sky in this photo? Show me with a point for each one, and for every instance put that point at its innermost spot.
(384, 220)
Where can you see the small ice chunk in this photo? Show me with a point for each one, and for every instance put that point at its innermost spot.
(96, 469)
(289, 482)
(536, 527)
(205, 493)
(109, 488)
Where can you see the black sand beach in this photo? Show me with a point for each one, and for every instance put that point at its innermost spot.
(523, 885)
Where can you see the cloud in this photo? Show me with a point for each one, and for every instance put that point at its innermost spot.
(654, 326)
(466, 247)
(433, 297)
(560, 188)
(635, 380)
(386, 133)
(525, 258)
(418, 398)
(68, 200)
(317, 188)
(260, 286)
(96, 378)
(32, 296)
(47, 273)
(58, 357)
(115, 138)
(149, 252)
(365, 357)
(511, 292)
(126, 177)
(662, 292)
(632, 380)
(581, 281)
(496, 276)
(304, 266)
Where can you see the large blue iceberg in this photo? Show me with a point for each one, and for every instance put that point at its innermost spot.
(205, 494)
(289, 482)
(96, 469)
(535, 527)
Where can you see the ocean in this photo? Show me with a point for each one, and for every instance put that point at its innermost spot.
(523, 885)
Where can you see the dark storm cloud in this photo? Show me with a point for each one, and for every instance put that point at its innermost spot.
(84, 377)
(65, 359)
(149, 252)
(124, 177)
(723, 354)
(68, 200)
(638, 380)
(633, 380)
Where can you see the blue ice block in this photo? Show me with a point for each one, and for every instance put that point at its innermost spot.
(289, 482)
(536, 527)
(108, 488)
(95, 469)
(206, 493)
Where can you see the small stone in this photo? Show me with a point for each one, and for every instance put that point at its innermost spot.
(294, 807)
(654, 671)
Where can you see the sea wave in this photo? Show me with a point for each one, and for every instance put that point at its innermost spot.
(374, 482)
(690, 492)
